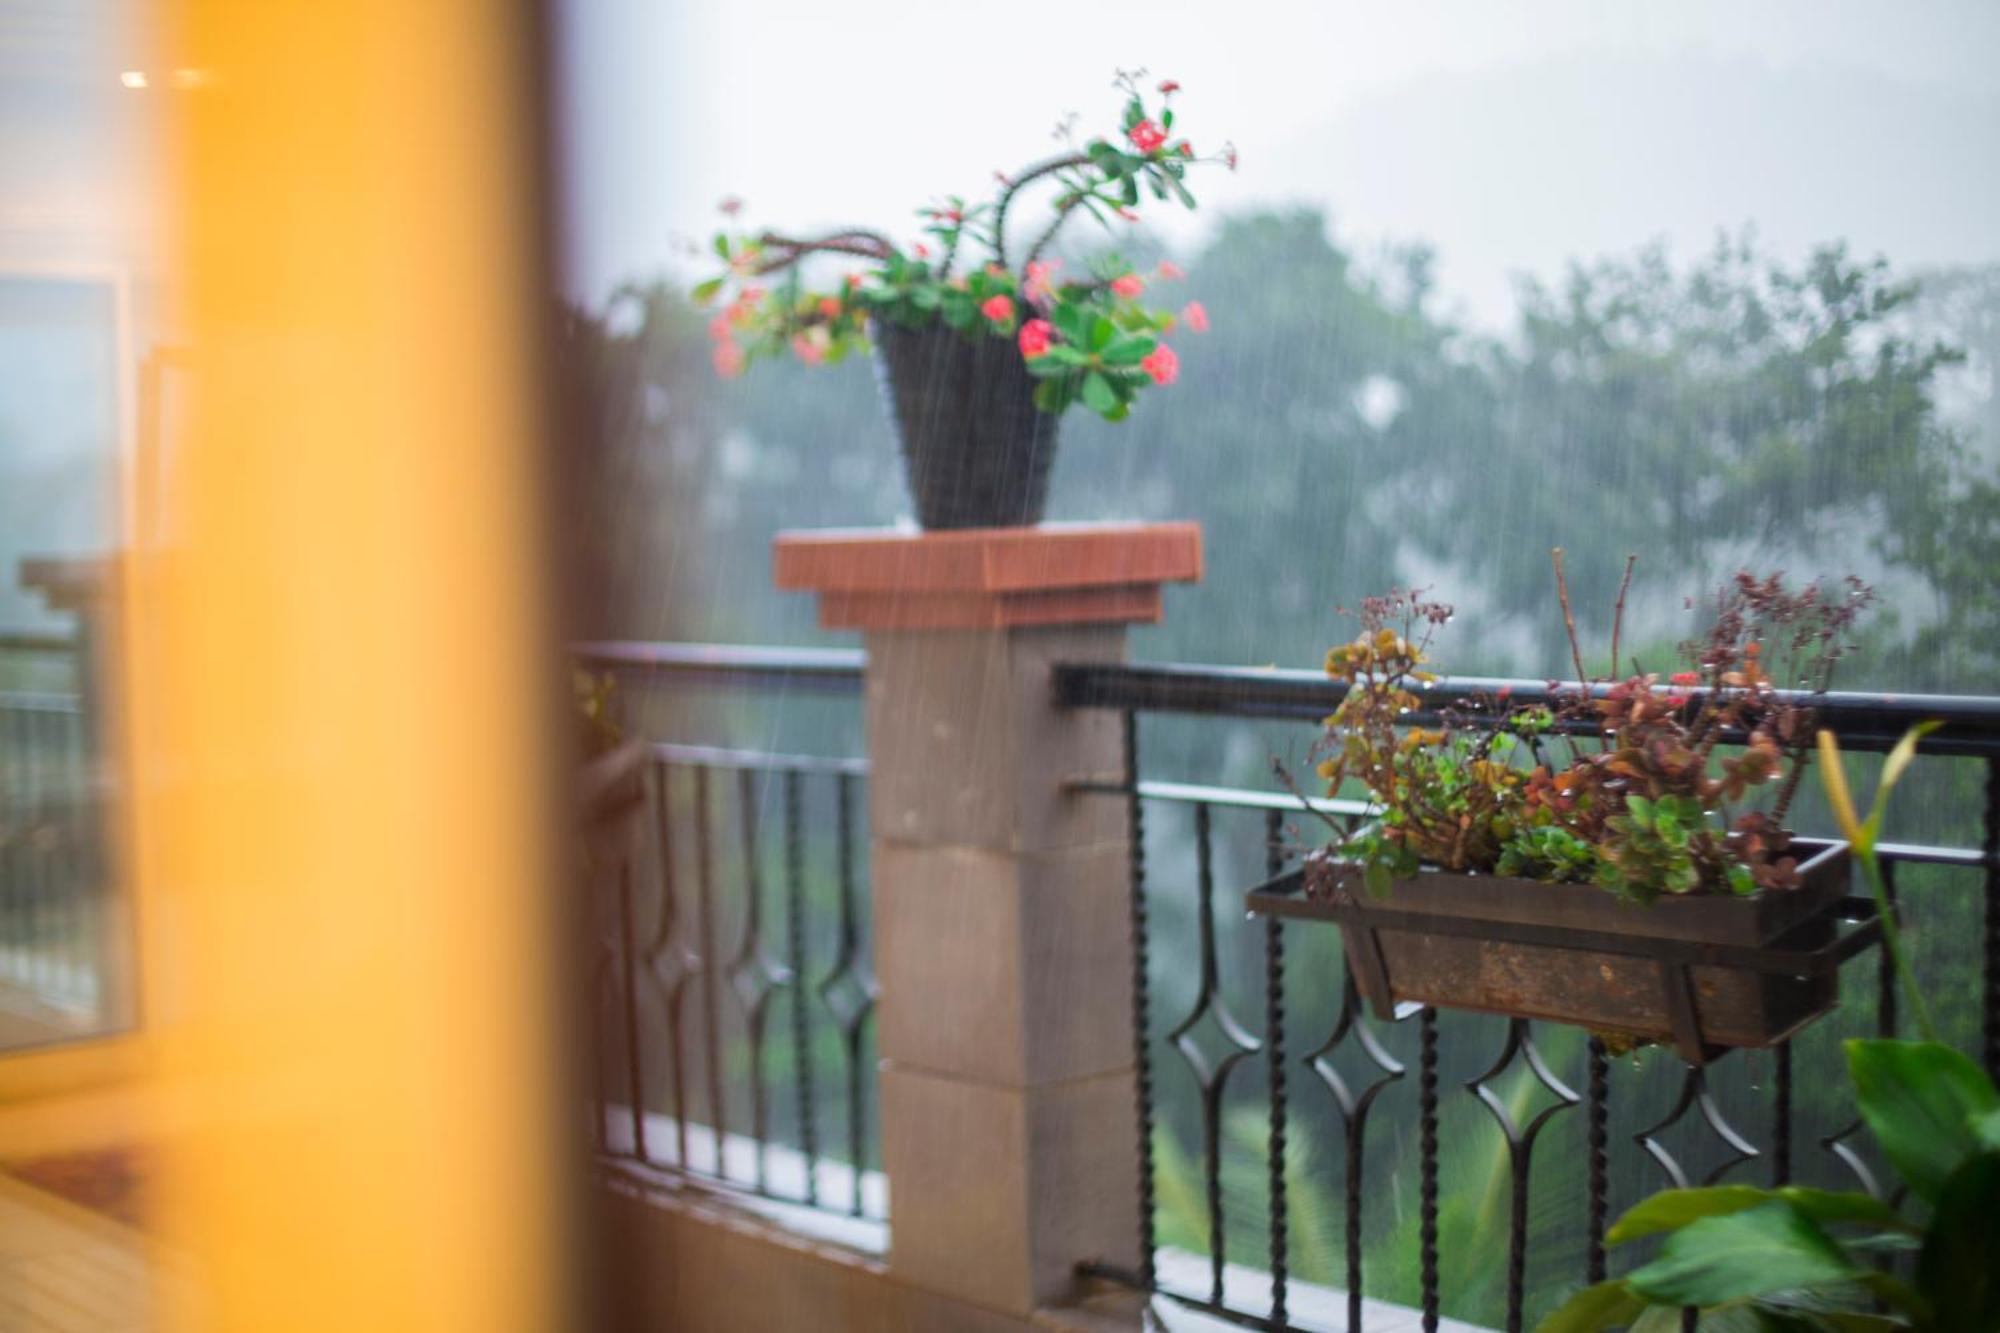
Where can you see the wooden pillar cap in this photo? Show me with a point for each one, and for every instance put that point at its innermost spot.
(989, 578)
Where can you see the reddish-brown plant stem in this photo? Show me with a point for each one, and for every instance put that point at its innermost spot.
(1618, 613)
(1044, 168)
(854, 241)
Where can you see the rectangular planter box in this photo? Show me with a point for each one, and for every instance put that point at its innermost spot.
(1703, 974)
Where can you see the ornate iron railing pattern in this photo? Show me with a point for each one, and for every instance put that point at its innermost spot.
(733, 955)
(1865, 723)
(1358, 1065)
(54, 871)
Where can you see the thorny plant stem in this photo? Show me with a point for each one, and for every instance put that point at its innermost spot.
(1036, 172)
(854, 241)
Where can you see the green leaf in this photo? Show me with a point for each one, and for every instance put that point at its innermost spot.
(1920, 1098)
(1670, 1210)
(1119, 413)
(1986, 1128)
(1097, 393)
(1959, 1267)
(1772, 1247)
(1378, 878)
(1606, 1305)
(704, 292)
(1128, 190)
(1072, 321)
(1129, 351)
(924, 298)
(1054, 396)
(1102, 331)
(721, 246)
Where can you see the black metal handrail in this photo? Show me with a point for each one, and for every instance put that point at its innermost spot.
(833, 670)
(36, 641)
(1862, 721)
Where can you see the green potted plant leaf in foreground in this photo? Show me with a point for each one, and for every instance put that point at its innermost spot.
(1803, 1259)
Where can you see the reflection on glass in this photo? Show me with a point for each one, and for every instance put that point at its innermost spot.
(62, 933)
(79, 317)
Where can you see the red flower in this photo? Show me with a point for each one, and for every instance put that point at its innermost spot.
(728, 359)
(1676, 700)
(1040, 273)
(807, 350)
(830, 306)
(1146, 136)
(1170, 87)
(731, 205)
(923, 251)
(1035, 338)
(718, 328)
(1685, 677)
(1184, 148)
(1129, 285)
(999, 309)
(1127, 214)
(854, 282)
(1162, 365)
(1195, 316)
(1229, 156)
(1169, 271)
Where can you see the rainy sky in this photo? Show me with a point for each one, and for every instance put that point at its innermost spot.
(1511, 136)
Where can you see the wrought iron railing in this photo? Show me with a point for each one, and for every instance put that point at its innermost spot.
(735, 1001)
(1522, 1075)
(1304, 1164)
(53, 881)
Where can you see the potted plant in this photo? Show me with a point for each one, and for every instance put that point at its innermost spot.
(1809, 1259)
(1599, 856)
(983, 347)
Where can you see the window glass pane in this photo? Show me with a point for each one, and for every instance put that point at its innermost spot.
(75, 325)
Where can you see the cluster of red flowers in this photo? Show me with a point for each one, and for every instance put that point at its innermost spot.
(740, 313)
(1163, 364)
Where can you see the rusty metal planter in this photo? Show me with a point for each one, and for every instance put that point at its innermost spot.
(1704, 974)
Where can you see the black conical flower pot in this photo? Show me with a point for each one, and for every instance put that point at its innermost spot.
(975, 447)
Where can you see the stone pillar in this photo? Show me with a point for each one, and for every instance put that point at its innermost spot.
(1002, 940)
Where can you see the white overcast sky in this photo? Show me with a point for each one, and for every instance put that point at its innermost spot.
(1511, 134)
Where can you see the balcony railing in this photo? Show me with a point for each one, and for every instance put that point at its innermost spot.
(1441, 1166)
(736, 994)
(53, 886)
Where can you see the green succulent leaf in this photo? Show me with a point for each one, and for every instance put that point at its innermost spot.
(1098, 394)
(1129, 351)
